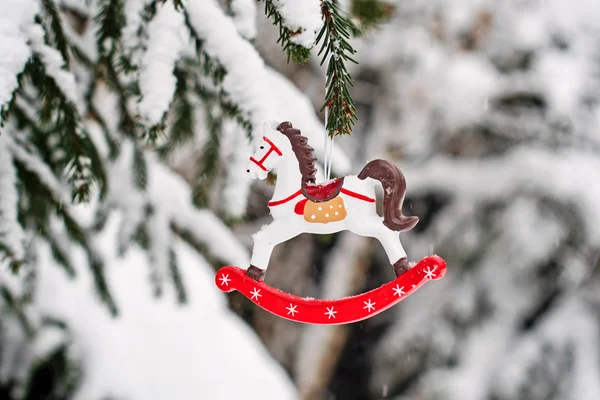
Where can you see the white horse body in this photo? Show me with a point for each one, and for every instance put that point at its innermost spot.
(361, 219)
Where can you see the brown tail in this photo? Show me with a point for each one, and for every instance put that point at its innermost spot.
(394, 189)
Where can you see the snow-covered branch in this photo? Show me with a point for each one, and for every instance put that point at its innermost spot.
(166, 39)
(16, 17)
(564, 174)
(246, 82)
(303, 18)
(11, 233)
(244, 16)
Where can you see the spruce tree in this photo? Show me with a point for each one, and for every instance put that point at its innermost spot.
(95, 98)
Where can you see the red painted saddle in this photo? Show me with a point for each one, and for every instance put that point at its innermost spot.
(319, 193)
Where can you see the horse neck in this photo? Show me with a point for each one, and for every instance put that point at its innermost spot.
(289, 178)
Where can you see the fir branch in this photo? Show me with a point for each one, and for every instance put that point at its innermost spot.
(140, 167)
(338, 101)
(16, 308)
(127, 123)
(370, 14)
(299, 54)
(176, 277)
(178, 4)
(47, 200)
(94, 115)
(56, 33)
(82, 236)
(82, 162)
(208, 161)
(111, 20)
(209, 67)
(183, 123)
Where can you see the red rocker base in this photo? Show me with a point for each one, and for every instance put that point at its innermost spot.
(331, 312)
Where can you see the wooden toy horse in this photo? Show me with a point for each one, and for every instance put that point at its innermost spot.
(301, 205)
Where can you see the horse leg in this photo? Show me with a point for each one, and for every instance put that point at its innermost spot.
(265, 241)
(389, 239)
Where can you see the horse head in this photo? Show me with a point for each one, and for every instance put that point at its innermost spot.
(270, 151)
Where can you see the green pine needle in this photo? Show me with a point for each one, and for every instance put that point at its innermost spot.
(336, 48)
(297, 53)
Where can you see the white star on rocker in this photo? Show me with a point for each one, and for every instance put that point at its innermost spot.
(330, 313)
(429, 273)
(225, 279)
(292, 309)
(255, 293)
(398, 290)
(369, 305)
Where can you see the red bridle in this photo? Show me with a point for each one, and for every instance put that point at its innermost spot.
(267, 154)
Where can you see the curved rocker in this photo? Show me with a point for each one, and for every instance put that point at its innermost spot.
(331, 312)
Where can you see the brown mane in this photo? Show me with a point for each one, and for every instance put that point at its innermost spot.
(304, 153)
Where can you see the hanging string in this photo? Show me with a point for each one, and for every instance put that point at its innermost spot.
(328, 157)
(328, 147)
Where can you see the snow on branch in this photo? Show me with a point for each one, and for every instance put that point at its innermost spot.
(11, 233)
(54, 65)
(166, 39)
(15, 17)
(246, 81)
(299, 22)
(236, 189)
(168, 194)
(36, 165)
(567, 333)
(244, 17)
(565, 174)
(303, 18)
(134, 23)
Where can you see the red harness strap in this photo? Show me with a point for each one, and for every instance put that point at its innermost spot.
(289, 198)
(357, 195)
(272, 149)
(344, 191)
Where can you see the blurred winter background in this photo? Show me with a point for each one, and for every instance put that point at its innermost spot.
(490, 108)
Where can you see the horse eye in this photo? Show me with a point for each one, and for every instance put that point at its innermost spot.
(262, 147)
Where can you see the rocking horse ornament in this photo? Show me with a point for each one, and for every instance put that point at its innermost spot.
(300, 205)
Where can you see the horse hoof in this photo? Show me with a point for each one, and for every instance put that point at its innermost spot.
(255, 273)
(401, 266)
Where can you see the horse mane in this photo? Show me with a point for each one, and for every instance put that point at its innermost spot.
(304, 153)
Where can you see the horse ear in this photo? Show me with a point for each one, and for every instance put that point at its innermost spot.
(270, 125)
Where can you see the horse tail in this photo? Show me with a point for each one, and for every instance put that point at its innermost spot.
(394, 189)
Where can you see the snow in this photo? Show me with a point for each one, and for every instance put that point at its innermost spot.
(244, 17)
(157, 349)
(236, 189)
(133, 24)
(166, 40)
(468, 82)
(36, 166)
(168, 193)
(570, 325)
(565, 174)
(246, 81)
(54, 65)
(303, 16)
(15, 18)
(11, 234)
(172, 193)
